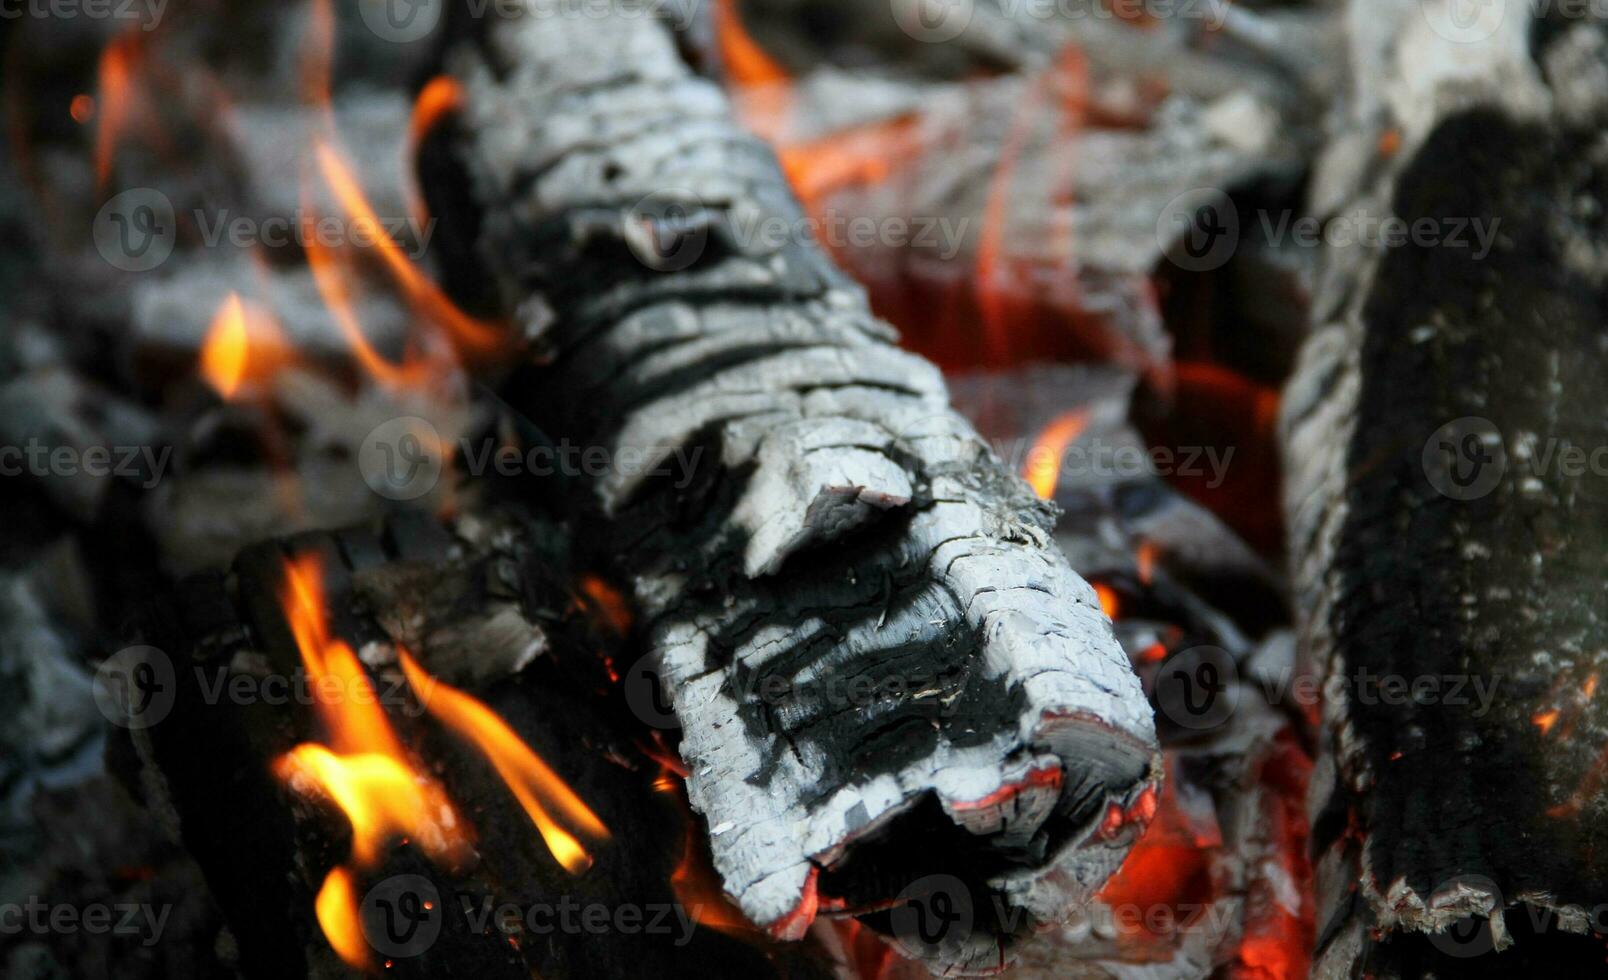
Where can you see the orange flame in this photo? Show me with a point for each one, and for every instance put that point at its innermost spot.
(223, 355)
(243, 345)
(696, 887)
(1109, 603)
(364, 771)
(336, 907)
(608, 602)
(117, 100)
(536, 786)
(440, 98)
(475, 335)
(993, 271)
(745, 61)
(1043, 468)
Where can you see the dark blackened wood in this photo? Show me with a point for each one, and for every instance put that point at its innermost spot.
(1435, 541)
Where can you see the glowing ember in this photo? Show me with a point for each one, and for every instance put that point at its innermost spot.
(1068, 78)
(535, 785)
(1043, 469)
(609, 603)
(82, 108)
(1544, 720)
(1146, 561)
(1109, 604)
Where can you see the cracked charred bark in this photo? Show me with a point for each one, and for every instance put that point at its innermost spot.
(1459, 828)
(882, 667)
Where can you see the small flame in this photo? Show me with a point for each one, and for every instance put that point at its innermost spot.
(336, 906)
(440, 98)
(364, 771)
(1109, 604)
(223, 355)
(1544, 720)
(1146, 561)
(1067, 79)
(475, 335)
(744, 60)
(1043, 469)
(536, 786)
(118, 63)
(244, 344)
(696, 887)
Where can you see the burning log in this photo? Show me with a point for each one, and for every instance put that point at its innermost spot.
(1220, 883)
(465, 884)
(834, 527)
(1448, 564)
(1037, 204)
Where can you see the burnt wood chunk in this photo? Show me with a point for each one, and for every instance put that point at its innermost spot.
(1449, 557)
(857, 612)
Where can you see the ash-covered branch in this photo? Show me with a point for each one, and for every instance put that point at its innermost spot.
(857, 611)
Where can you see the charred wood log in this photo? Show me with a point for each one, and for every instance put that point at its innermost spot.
(1438, 544)
(482, 604)
(835, 521)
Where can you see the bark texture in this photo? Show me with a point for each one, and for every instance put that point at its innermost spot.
(857, 612)
(1438, 536)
